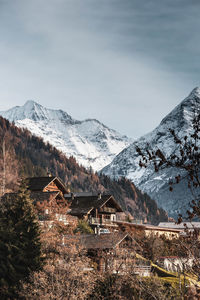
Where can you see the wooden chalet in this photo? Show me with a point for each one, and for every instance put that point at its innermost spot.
(114, 252)
(47, 194)
(186, 228)
(98, 210)
(149, 230)
(46, 184)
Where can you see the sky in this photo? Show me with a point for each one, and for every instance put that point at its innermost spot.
(126, 63)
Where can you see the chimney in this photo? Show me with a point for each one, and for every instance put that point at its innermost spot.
(99, 196)
(72, 196)
(48, 172)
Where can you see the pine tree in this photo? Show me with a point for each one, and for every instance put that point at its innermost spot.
(20, 247)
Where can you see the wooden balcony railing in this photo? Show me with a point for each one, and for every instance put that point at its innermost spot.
(99, 221)
(137, 270)
(107, 209)
(142, 270)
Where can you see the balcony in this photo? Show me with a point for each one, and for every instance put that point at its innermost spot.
(144, 271)
(108, 210)
(99, 221)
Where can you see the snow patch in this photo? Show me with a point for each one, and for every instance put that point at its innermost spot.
(89, 141)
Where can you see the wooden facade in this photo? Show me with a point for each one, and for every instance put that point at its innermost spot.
(98, 210)
(106, 214)
(52, 187)
(114, 252)
(46, 184)
(47, 194)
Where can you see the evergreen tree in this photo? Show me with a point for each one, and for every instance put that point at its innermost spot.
(20, 247)
(83, 228)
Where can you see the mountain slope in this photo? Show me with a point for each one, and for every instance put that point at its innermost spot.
(89, 141)
(126, 163)
(28, 155)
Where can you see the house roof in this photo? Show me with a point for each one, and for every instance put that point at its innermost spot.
(94, 241)
(149, 227)
(82, 205)
(158, 228)
(182, 225)
(35, 196)
(41, 196)
(40, 183)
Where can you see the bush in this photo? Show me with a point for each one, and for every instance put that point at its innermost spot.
(83, 227)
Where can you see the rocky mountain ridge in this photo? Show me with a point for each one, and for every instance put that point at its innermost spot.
(92, 143)
(126, 163)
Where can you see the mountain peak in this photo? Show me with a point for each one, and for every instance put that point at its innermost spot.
(34, 111)
(89, 141)
(182, 115)
(195, 92)
(30, 103)
(193, 100)
(156, 184)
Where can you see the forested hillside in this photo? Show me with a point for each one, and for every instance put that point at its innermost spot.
(26, 155)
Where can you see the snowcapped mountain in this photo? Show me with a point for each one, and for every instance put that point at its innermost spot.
(89, 141)
(156, 185)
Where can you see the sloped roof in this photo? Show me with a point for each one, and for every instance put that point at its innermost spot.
(39, 183)
(35, 196)
(148, 227)
(183, 225)
(84, 204)
(94, 241)
(41, 196)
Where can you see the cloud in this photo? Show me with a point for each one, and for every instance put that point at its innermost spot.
(126, 63)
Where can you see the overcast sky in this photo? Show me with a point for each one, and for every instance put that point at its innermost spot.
(126, 63)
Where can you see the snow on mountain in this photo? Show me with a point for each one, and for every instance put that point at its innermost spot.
(89, 141)
(126, 163)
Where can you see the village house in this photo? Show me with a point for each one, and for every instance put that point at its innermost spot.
(149, 230)
(184, 227)
(47, 194)
(169, 233)
(99, 210)
(46, 184)
(114, 252)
